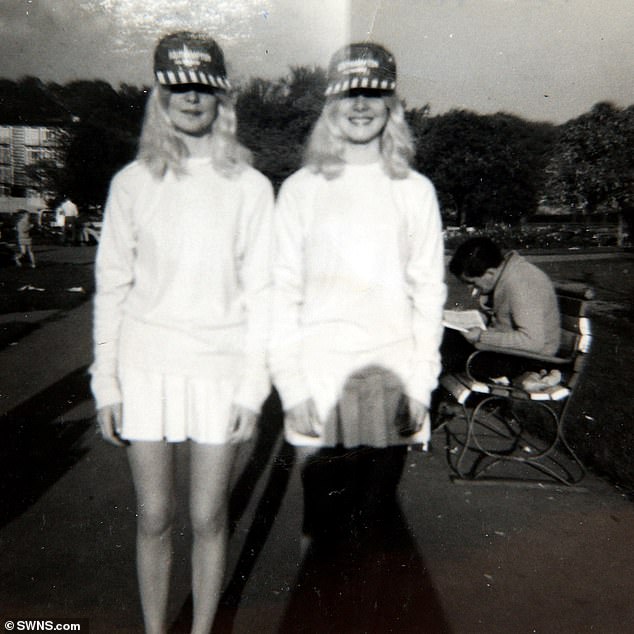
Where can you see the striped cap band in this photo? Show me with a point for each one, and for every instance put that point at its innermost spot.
(177, 77)
(352, 84)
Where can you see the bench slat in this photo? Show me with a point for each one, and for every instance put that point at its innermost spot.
(574, 289)
(576, 325)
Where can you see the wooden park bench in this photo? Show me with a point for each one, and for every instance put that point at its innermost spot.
(506, 433)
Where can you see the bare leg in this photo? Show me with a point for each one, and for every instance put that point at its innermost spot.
(29, 252)
(153, 474)
(211, 467)
(302, 455)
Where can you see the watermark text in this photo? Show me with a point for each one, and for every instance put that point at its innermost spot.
(46, 625)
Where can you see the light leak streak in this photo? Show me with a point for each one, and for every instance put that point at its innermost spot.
(228, 20)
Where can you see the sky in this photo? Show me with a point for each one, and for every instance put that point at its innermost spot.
(544, 60)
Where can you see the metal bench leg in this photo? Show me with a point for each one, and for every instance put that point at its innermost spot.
(491, 440)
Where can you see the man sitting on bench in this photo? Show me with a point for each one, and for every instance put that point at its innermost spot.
(519, 299)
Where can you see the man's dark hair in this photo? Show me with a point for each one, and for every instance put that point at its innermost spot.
(474, 256)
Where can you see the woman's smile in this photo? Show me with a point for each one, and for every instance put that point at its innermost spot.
(361, 118)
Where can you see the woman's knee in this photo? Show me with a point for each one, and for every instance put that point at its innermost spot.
(209, 521)
(155, 519)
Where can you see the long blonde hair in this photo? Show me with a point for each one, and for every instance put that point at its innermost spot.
(325, 148)
(160, 147)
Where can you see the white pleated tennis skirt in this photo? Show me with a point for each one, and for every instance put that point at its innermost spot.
(175, 408)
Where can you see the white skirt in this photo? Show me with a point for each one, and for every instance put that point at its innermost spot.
(175, 408)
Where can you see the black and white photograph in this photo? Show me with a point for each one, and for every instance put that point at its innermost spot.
(316, 317)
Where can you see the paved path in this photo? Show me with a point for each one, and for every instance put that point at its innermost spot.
(446, 558)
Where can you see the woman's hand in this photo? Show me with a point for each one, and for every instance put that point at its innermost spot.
(242, 422)
(109, 419)
(417, 414)
(410, 416)
(304, 419)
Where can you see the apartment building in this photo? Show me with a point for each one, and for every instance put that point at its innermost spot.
(21, 146)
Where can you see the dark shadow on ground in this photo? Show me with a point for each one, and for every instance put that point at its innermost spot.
(20, 287)
(36, 450)
(263, 455)
(270, 424)
(52, 286)
(13, 331)
(362, 571)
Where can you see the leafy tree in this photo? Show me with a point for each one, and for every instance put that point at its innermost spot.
(28, 102)
(592, 166)
(418, 120)
(485, 168)
(102, 133)
(275, 118)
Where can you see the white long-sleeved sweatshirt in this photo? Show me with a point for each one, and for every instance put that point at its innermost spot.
(358, 281)
(183, 278)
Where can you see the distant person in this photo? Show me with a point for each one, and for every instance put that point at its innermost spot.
(181, 315)
(518, 297)
(60, 219)
(23, 228)
(519, 303)
(68, 217)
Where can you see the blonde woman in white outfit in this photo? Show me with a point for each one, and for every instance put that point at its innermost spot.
(181, 314)
(358, 276)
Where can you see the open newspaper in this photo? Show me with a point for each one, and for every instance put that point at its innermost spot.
(463, 320)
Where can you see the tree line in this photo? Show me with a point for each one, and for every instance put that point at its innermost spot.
(487, 169)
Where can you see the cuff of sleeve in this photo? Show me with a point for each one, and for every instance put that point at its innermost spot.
(423, 382)
(488, 337)
(292, 392)
(106, 390)
(253, 391)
